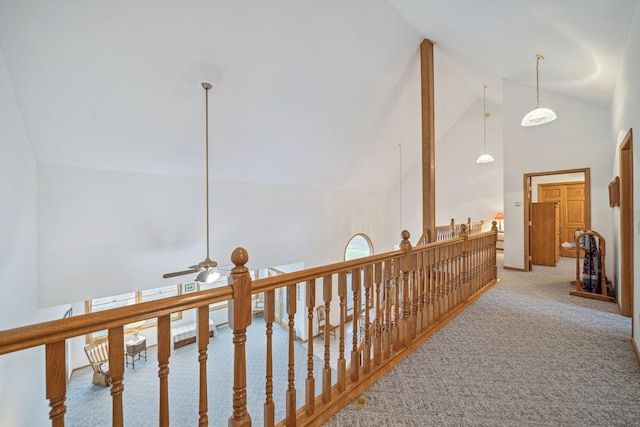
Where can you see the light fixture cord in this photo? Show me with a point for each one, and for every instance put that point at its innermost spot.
(484, 118)
(538, 58)
(400, 147)
(206, 91)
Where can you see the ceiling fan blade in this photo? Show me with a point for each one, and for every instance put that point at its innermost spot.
(178, 273)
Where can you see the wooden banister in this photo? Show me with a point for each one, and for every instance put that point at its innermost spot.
(53, 331)
(406, 294)
(164, 352)
(56, 388)
(239, 321)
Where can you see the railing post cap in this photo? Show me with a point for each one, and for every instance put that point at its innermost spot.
(405, 235)
(239, 257)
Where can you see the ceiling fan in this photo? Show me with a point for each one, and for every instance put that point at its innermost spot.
(206, 269)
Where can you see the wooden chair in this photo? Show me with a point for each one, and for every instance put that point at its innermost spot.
(322, 323)
(258, 308)
(98, 355)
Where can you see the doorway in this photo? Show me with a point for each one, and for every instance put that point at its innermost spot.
(531, 182)
(626, 226)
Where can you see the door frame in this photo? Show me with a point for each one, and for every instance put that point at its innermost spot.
(527, 205)
(626, 227)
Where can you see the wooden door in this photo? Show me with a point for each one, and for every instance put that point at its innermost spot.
(545, 234)
(570, 197)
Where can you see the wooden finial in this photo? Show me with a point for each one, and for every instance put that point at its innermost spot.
(239, 257)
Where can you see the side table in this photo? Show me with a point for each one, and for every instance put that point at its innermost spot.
(134, 350)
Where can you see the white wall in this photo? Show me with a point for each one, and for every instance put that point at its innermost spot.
(104, 232)
(579, 138)
(465, 188)
(21, 374)
(625, 107)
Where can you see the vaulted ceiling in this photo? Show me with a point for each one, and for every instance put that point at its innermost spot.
(306, 88)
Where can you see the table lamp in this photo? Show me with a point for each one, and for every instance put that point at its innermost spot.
(136, 328)
(499, 217)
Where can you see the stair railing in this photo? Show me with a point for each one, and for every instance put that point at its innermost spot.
(415, 290)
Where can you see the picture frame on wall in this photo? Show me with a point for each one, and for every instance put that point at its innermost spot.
(614, 192)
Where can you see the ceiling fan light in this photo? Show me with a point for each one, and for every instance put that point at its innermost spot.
(207, 275)
(538, 116)
(485, 158)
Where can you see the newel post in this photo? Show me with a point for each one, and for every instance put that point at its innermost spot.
(405, 268)
(239, 320)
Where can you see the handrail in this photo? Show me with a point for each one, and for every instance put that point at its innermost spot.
(24, 337)
(449, 231)
(413, 291)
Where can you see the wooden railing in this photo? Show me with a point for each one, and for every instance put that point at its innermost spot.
(450, 231)
(415, 290)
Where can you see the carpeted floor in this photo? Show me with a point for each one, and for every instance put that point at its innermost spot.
(90, 405)
(525, 354)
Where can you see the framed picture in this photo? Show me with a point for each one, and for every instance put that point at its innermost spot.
(614, 192)
(189, 287)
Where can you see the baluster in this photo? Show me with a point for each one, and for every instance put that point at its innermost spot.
(310, 385)
(56, 385)
(395, 324)
(415, 301)
(342, 363)
(431, 288)
(386, 331)
(442, 291)
(203, 343)
(463, 292)
(447, 279)
(355, 355)
(239, 312)
(465, 264)
(453, 298)
(291, 390)
(116, 372)
(164, 351)
(420, 297)
(327, 292)
(377, 340)
(269, 317)
(366, 347)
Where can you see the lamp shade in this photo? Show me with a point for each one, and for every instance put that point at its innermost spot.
(207, 275)
(485, 158)
(538, 116)
(499, 215)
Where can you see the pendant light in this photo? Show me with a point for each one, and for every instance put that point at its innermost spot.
(484, 158)
(539, 115)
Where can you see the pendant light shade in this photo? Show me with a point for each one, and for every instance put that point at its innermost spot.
(539, 115)
(484, 158)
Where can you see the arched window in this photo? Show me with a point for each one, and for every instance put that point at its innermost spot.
(359, 246)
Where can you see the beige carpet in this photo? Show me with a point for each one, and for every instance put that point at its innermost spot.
(525, 354)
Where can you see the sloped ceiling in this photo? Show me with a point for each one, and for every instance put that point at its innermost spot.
(488, 41)
(116, 85)
(305, 87)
